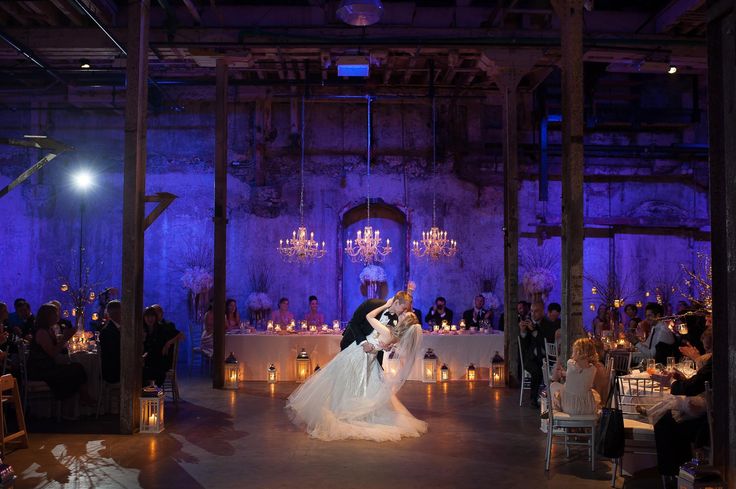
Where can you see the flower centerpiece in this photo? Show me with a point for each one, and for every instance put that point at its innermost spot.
(372, 279)
(259, 304)
(198, 281)
(538, 283)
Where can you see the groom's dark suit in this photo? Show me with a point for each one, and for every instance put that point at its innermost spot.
(359, 328)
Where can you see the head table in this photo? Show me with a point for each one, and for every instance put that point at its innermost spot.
(256, 351)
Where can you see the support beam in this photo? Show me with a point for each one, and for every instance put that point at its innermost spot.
(38, 142)
(722, 127)
(134, 186)
(193, 11)
(570, 13)
(220, 218)
(164, 200)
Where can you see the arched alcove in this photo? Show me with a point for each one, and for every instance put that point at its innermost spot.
(393, 223)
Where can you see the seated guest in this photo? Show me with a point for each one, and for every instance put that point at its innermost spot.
(699, 355)
(522, 312)
(167, 325)
(64, 379)
(282, 316)
(63, 322)
(232, 316)
(438, 313)
(157, 346)
(314, 317)
(208, 333)
(631, 311)
(478, 313)
(110, 343)
(21, 321)
(660, 343)
(554, 310)
(674, 435)
(578, 394)
(601, 321)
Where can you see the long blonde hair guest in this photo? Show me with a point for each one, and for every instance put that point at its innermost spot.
(584, 352)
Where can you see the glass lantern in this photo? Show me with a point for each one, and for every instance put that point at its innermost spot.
(152, 410)
(303, 366)
(444, 373)
(232, 372)
(429, 372)
(498, 371)
(271, 374)
(470, 372)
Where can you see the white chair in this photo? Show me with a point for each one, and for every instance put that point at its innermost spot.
(526, 378)
(638, 432)
(550, 350)
(560, 422)
(34, 389)
(621, 361)
(170, 382)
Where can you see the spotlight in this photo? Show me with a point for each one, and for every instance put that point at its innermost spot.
(672, 69)
(84, 64)
(83, 180)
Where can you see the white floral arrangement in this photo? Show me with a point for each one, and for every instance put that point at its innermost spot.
(373, 273)
(197, 279)
(258, 301)
(538, 281)
(491, 300)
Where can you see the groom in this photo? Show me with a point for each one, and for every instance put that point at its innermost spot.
(359, 328)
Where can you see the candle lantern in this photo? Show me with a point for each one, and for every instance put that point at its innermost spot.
(152, 410)
(498, 371)
(453, 328)
(303, 325)
(429, 373)
(444, 373)
(269, 326)
(232, 372)
(271, 374)
(336, 326)
(470, 372)
(313, 328)
(303, 366)
(462, 324)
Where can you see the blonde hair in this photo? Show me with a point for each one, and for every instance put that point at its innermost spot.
(403, 297)
(584, 349)
(407, 320)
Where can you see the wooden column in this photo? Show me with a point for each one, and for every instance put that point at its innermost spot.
(722, 155)
(220, 218)
(134, 186)
(571, 25)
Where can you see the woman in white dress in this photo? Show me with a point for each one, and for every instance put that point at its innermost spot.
(353, 398)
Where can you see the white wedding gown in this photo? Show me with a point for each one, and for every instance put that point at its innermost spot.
(349, 398)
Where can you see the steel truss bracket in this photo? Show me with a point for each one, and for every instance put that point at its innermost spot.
(164, 200)
(54, 147)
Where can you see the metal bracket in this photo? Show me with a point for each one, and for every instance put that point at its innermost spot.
(164, 200)
(38, 142)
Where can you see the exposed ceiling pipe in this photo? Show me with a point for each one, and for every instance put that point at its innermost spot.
(31, 57)
(83, 8)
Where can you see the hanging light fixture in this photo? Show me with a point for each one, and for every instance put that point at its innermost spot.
(434, 243)
(367, 247)
(360, 13)
(301, 247)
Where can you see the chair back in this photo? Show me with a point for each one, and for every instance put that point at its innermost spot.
(524, 373)
(550, 409)
(621, 361)
(174, 355)
(550, 350)
(635, 391)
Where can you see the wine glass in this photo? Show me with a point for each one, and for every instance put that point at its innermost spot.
(651, 366)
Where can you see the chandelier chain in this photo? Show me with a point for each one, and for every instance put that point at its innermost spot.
(368, 162)
(301, 170)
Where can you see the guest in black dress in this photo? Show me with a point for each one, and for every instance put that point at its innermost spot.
(65, 380)
(157, 347)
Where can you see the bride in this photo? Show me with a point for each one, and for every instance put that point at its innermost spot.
(352, 397)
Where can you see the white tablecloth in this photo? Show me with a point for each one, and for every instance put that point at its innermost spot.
(255, 352)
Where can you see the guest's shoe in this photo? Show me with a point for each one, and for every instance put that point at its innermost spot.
(544, 415)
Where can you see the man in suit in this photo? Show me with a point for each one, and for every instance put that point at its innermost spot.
(359, 328)
(478, 313)
(439, 313)
(533, 332)
(110, 343)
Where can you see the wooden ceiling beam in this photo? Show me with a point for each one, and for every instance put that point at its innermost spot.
(69, 12)
(18, 14)
(193, 11)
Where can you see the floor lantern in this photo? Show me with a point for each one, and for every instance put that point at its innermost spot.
(271, 374)
(152, 410)
(429, 374)
(444, 373)
(498, 371)
(303, 366)
(232, 372)
(470, 372)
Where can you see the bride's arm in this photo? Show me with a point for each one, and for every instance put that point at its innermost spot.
(372, 318)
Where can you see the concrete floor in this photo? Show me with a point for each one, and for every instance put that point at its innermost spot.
(478, 437)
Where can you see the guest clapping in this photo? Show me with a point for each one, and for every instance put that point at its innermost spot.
(473, 317)
(314, 317)
(282, 315)
(439, 313)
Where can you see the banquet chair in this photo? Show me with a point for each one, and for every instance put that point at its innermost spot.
(170, 382)
(34, 389)
(9, 393)
(106, 388)
(550, 351)
(195, 349)
(526, 378)
(621, 361)
(560, 422)
(638, 432)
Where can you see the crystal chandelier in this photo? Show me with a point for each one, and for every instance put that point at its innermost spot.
(366, 247)
(301, 247)
(434, 243)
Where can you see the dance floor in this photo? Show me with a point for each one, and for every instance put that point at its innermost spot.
(478, 438)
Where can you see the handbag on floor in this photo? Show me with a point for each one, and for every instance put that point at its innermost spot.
(610, 436)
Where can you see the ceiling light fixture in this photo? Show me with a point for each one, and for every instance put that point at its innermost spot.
(360, 13)
(672, 69)
(84, 64)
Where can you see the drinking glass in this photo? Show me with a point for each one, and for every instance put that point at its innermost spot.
(651, 368)
(670, 364)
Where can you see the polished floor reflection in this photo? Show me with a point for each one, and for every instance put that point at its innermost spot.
(479, 437)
